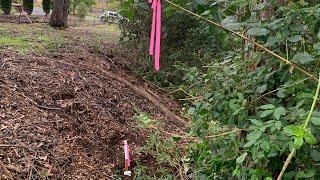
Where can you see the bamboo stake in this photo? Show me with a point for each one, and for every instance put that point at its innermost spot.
(291, 155)
(305, 72)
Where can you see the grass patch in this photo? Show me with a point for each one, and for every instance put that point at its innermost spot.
(12, 41)
(103, 32)
(43, 39)
(17, 43)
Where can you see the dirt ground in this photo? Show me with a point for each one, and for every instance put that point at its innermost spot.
(61, 116)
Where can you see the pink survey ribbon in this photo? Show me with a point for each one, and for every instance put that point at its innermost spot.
(126, 152)
(155, 39)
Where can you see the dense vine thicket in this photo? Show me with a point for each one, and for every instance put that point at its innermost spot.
(28, 6)
(6, 6)
(46, 5)
(229, 85)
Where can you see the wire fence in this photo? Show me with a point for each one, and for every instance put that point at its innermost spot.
(89, 20)
(97, 10)
(73, 20)
(15, 14)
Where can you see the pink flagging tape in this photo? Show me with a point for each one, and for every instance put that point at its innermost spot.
(158, 37)
(155, 39)
(153, 28)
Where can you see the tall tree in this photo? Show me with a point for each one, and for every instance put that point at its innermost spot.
(59, 15)
(6, 6)
(46, 6)
(28, 6)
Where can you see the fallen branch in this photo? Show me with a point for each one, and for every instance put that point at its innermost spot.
(38, 105)
(31, 100)
(10, 145)
(20, 10)
(139, 90)
(194, 138)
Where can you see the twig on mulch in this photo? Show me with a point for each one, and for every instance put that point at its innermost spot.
(12, 145)
(4, 62)
(31, 167)
(38, 105)
(31, 100)
(6, 171)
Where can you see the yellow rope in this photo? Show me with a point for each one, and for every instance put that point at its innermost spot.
(305, 72)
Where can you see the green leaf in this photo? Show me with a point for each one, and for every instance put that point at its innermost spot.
(258, 31)
(176, 138)
(261, 89)
(294, 130)
(203, 112)
(306, 174)
(281, 94)
(316, 46)
(241, 158)
(268, 107)
(303, 58)
(315, 121)
(269, 178)
(254, 135)
(201, 2)
(266, 113)
(276, 24)
(205, 13)
(143, 5)
(191, 110)
(278, 112)
(265, 145)
(298, 141)
(315, 155)
(248, 144)
(231, 23)
(273, 41)
(309, 137)
(256, 122)
(295, 38)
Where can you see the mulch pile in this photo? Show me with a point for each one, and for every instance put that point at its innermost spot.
(58, 121)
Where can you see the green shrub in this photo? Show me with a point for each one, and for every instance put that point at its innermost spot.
(183, 40)
(28, 6)
(6, 6)
(46, 5)
(82, 10)
(246, 106)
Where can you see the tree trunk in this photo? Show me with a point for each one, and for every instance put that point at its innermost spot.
(59, 16)
(267, 14)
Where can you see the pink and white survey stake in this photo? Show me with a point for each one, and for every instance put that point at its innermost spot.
(155, 39)
(126, 155)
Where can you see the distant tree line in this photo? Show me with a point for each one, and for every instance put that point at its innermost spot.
(60, 9)
(6, 6)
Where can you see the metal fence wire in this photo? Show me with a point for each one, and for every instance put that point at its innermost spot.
(27, 16)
